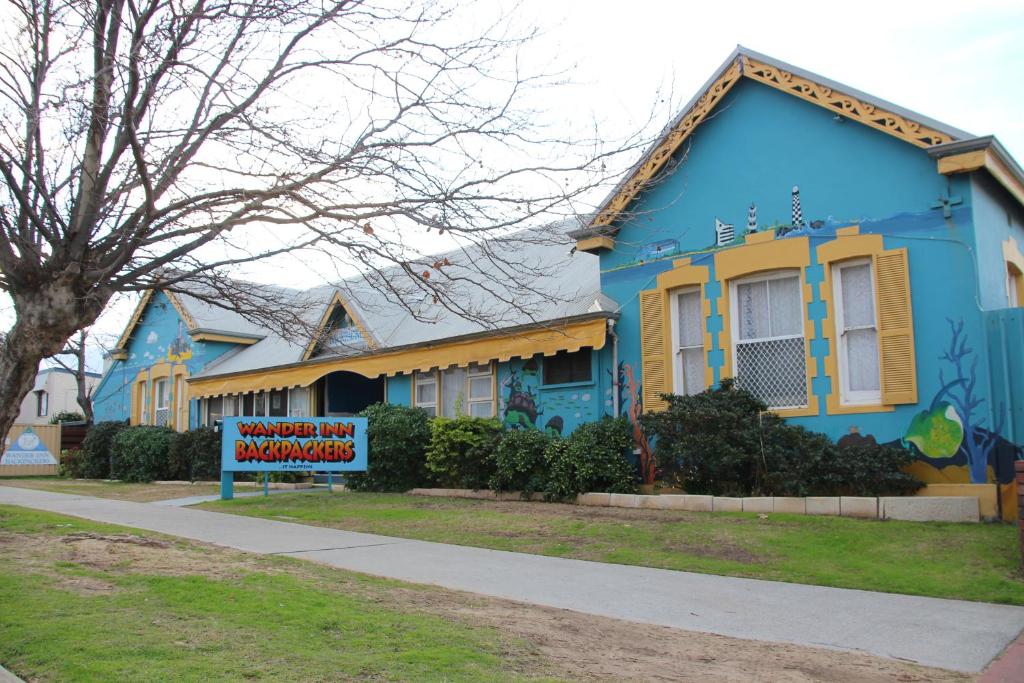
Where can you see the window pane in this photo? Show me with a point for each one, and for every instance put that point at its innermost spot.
(481, 409)
(564, 367)
(426, 392)
(278, 403)
(858, 298)
(774, 371)
(247, 404)
(453, 392)
(785, 306)
(480, 387)
(752, 302)
(298, 402)
(214, 409)
(690, 332)
(430, 410)
(862, 359)
(261, 404)
(693, 370)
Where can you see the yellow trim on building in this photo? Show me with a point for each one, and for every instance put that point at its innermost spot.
(669, 144)
(847, 245)
(845, 105)
(759, 255)
(595, 244)
(1014, 258)
(122, 341)
(219, 337)
(338, 300)
(988, 160)
(685, 275)
(571, 336)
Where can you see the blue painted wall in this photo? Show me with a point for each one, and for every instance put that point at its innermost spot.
(998, 217)
(160, 336)
(759, 144)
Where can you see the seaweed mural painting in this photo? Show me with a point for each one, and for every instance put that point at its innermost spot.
(634, 410)
(953, 426)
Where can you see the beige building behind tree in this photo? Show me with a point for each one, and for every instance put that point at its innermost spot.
(55, 391)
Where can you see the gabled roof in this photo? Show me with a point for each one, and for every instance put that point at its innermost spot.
(906, 125)
(564, 285)
(203, 321)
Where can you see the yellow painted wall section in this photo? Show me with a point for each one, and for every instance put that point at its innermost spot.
(847, 245)
(895, 327)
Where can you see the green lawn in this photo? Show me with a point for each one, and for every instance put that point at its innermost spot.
(94, 609)
(966, 561)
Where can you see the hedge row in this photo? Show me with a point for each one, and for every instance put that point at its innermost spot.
(113, 450)
(411, 449)
(723, 441)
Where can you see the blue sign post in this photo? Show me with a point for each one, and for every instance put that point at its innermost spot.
(284, 444)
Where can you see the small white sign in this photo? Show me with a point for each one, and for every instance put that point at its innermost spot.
(28, 449)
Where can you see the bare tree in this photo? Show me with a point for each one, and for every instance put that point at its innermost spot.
(72, 359)
(157, 143)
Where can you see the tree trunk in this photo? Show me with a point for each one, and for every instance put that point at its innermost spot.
(47, 316)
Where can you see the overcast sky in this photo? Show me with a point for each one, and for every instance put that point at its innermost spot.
(961, 63)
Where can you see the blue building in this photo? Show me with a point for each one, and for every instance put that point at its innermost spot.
(854, 264)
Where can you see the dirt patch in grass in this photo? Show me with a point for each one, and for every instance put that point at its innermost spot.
(718, 550)
(571, 645)
(140, 493)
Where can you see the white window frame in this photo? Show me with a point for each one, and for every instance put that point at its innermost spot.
(678, 378)
(476, 373)
(42, 403)
(848, 397)
(419, 378)
(179, 394)
(734, 322)
(162, 403)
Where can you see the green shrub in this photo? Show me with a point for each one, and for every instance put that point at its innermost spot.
(96, 451)
(724, 442)
(713, 440)
(519, 463)
(66, 416)
(397, 439)
(459, 452)
(592, 458)
(142, 454)
(71, 463)
(195, 455)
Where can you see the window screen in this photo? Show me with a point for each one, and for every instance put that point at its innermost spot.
(565, 367)
(769, 348)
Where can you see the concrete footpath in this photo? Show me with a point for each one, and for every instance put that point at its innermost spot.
(952, 634)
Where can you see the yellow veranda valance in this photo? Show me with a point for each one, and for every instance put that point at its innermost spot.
(571, 336)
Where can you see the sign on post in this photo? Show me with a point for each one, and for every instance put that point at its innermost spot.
(283, 444)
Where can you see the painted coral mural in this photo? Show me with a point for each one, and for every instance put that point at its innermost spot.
(954, 432)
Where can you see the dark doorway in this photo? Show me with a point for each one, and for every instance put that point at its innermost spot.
(346, 393)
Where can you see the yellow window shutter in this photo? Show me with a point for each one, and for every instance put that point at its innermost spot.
(895, 328)
(652, 350)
